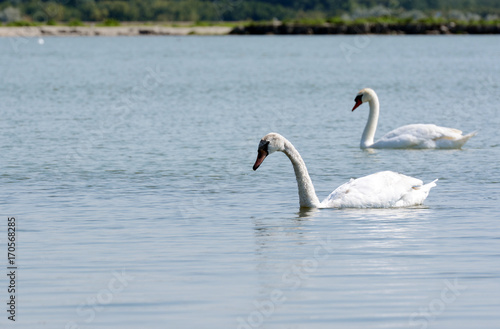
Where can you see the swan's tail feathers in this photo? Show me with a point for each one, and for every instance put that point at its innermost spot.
(432, 184)
(416, 196)
(427, 186)
(465, 138)
(472, 134)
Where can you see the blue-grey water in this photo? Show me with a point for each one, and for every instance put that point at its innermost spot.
(127, 163)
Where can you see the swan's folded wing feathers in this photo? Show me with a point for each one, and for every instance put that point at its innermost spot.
(381, 190)
(419, 136)
(456, 131)
(418, 131)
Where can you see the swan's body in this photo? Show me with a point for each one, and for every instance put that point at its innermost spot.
(418, 136)
(384, 189)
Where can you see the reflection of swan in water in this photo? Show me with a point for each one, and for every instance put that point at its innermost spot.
(380, 190)
(305, 213)
(418, 136)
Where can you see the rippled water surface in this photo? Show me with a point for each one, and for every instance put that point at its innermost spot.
(127, 164)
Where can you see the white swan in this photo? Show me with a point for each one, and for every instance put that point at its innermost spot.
(384, 189)
(418, 136)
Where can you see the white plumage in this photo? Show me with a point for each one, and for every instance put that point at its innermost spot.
(380, 190)
(384, 189)
(417, 136)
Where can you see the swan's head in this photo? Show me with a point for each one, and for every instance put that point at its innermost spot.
(364, 95)
(268, 144)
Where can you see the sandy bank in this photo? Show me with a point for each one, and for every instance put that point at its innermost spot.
(37, 31)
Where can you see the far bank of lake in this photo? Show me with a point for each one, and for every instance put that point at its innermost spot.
(276, 28)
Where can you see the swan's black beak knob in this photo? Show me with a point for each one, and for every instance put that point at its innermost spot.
(358, 101)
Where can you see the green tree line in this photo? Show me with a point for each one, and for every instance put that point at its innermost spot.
(230, 10)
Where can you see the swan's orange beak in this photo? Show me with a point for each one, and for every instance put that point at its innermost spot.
(358, 102)
(260, 158)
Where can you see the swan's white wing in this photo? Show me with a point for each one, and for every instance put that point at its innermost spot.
(380, 190)
(422, 136)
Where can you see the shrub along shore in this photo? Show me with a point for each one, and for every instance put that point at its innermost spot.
(370, 28)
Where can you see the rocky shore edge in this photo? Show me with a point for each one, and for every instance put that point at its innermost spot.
(368, 28)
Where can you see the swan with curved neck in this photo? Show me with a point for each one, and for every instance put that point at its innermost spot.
(380, 190)
(410, 136)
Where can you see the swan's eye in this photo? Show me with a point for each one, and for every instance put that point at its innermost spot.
(358, 98)
(263, 145)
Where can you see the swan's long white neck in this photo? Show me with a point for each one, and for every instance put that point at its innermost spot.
(307, 194)
(371, 125)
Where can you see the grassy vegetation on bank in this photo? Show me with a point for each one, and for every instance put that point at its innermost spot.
(113, 23)
(237, 10)
(378, 20)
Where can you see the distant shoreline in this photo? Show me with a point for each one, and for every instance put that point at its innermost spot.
(250, 29)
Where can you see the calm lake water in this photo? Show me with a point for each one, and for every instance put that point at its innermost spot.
(127, 163)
